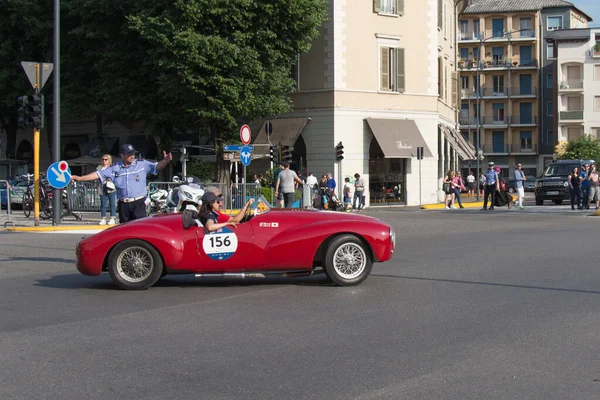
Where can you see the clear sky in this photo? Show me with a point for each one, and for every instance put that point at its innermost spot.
(591, 8)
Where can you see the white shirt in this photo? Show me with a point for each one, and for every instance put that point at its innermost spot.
(311, 180)
(470, 179)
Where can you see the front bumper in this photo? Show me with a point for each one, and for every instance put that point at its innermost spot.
(552, 193)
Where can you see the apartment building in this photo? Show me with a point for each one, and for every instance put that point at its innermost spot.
(502, 90)
(381, 79)
(577, 84)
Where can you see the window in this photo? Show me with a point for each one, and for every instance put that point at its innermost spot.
(394, 7)
(497, 27)
(595, 132)
(498, 112)
(391, 69)
(464, 54)
(465, 135)
(554, 22)
(476, 32)
(498, 84)
(464, 82)
(440, 14)
(549, 137)
(549, 81)
(475, 110)
(597, 103)
(550, 50)
(464, 29)
(597, 72)
(497, 55)
(549, 109)
(526, 143)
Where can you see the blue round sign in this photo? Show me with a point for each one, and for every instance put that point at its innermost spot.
(245, 155)
(59, 174)
(220, 244)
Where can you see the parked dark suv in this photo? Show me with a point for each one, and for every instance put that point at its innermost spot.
(553, 185)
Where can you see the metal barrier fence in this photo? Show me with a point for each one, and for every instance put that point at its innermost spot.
(5, 201)
(84, 196)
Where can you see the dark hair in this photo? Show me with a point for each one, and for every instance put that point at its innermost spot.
(285, 165)
(347, 179)
(357, 175)
(205, 209)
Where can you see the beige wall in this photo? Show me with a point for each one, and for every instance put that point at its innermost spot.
(312, 65)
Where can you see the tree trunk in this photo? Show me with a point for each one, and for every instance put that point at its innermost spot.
(223, 175)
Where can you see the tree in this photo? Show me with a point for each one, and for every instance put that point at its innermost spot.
(224, 62)
(586, 147)
(25, 35)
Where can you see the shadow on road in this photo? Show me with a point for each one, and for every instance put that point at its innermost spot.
(42, 259)
(487, 283)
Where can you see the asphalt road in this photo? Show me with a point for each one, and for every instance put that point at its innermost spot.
(474, 305)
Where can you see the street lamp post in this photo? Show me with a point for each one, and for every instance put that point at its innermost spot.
(482, 40)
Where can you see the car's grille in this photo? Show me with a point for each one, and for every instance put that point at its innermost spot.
(553, 184)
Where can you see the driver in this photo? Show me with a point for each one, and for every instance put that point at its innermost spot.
(213, 193)
(210, 211)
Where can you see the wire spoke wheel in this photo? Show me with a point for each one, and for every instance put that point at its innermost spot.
(349, 260)
(135, 264)
(27, 204)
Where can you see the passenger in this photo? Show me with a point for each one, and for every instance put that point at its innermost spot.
(210, 211)
(222, 218)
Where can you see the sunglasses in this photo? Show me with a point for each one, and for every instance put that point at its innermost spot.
(105, 159)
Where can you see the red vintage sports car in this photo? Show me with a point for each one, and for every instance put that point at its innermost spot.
(272, 242)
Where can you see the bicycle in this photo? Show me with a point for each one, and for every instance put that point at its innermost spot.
(45, 203)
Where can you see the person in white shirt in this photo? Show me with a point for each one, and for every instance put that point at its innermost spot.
(311, 180)
(471, 184)
(347, 195)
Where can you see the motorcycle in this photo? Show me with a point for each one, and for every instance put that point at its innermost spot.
(187, 195)
(156, 199)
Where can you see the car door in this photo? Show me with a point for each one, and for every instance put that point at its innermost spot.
(227, 249)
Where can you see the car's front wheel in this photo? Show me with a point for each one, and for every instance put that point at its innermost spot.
(347, 261)
(134, 265)
(539, 202)
(558, 202)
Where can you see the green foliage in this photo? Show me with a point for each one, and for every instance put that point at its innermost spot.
(585, 147)
(204, 170)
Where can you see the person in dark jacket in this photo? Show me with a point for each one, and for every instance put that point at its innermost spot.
(503, 198)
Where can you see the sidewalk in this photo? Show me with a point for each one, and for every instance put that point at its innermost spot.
(468, 202)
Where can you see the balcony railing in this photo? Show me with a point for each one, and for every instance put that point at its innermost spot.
(491, 92)
(503, 63)
(525, 63)
(495, 120)
(523, 120)
(571, 115)
(496, 148)
(528, 34)
(467, 64)
(523, 91)
(469, 36)
(467, 120)
(468, 93)
(519, 148)
(567, 84)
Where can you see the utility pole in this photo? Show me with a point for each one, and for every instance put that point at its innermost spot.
(36, 157)
(56, 193)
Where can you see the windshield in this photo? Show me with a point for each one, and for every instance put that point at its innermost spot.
(559, 169)
(261, 205)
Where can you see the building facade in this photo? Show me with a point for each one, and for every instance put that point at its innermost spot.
(577, 84)
(501, 63)
(381, 79)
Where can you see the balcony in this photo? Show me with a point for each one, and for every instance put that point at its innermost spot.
(467, 64)
(494, 93)
(571, 115)
(495, 64)
(470, 93)
(523, 35)
(595, 52)
(469, 36)
(526, 64)
(571, 85)
(523, 91)
(496, 148)
(523, 148)
(523, 120)
(467, 121)
(495, 122)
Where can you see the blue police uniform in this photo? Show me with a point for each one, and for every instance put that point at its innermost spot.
(130, 183)
(491, 181)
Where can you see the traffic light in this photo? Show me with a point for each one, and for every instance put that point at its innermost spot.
(272, 150)
(286, 153)
(35, 110)
(22, 113)
(339, 152)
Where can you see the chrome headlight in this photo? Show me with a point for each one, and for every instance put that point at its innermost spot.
(188, 195)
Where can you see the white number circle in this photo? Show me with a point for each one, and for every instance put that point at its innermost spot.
(221, 244)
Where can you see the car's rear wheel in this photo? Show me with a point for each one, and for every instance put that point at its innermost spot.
(347, 261)
(134, 265)
(539, 202)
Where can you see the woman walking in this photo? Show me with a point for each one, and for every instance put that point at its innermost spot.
(503, 198)
(458, 186)
(575, 188)
(449, 190)
(107, 191)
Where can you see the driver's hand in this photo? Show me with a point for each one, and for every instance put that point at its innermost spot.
(232, 224)
(251, 201)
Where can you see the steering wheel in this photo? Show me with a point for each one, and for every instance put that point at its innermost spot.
(247, 214)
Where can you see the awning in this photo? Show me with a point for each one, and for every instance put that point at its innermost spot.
(398, 138)
(465, 150)
(285, 130)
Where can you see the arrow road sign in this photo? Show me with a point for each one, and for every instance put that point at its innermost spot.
(236, 147)
(59, 174)
(245, 156)
(235, 157)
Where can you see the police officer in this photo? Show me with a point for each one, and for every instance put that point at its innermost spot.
(491, 186)
(129, 177)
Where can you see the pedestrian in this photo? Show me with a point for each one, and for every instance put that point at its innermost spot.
(286, 180)
(471, 184)
(594, 179)
(323, 192)
(347, 194)
(575, 188)
(491, 186)
(458, 186)
(503, 198)
(585, 187)
(519, 176)
(107, 191)
(449, 190)
(482, 180)
(311, 180)
(129, 176)
(331, 184)
(279, 198)
(359, 189)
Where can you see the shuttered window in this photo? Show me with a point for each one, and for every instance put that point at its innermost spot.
(597, 103)
(376, 6)
(440, 14)
(455, 89)
(389, 6)
(392, 69)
